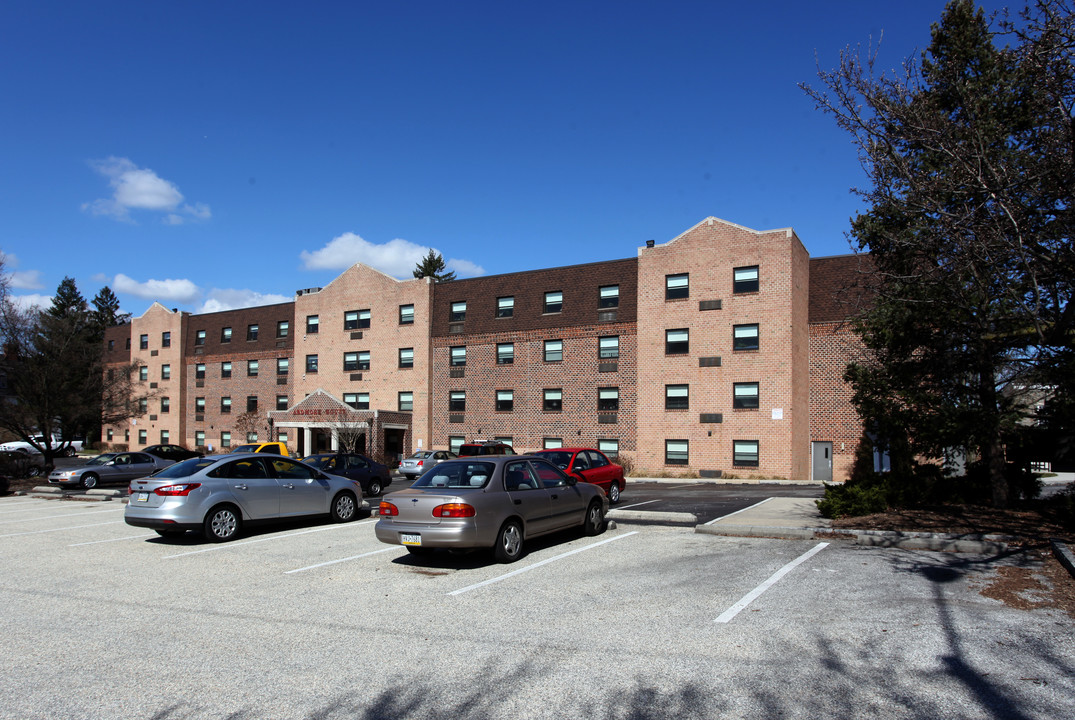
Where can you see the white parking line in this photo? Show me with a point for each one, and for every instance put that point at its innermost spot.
(266, 539)
(75, 527)
(528, 568)
(624, 507)
(731, 612)
(21, 505)
(680, 487)
(333, 562)
(739, 511)
(67, 515)
(95, 542)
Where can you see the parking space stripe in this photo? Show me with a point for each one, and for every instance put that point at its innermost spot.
(528, 568)
(75, 527)
(67, 515)
(739, 511)
(624, 507)
(333, 562)
(283, 536)
(751, 596)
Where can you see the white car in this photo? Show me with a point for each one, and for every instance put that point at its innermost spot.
(69, 449)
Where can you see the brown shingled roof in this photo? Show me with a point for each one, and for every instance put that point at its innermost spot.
(839, 287)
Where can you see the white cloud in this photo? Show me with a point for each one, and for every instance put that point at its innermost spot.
(25, 302)
(26, 280)
(20, 279)
(396, 257)
(136, 188)
(221, 299)
(183, 291)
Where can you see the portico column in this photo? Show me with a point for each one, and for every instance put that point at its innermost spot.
(306, 438)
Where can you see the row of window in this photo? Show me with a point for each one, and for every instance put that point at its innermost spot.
(352, 320)
(609, 446)
(744, 280)
(283, 327)
(745, 453)
(677, 342)
(199, 437)
(676, 397)
(608, 296)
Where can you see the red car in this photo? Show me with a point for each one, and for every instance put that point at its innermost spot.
(591, 466)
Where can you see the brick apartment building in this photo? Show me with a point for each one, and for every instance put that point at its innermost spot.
(719, 352)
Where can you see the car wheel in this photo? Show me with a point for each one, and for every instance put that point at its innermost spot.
(222, 523)
(509, 542)
(374, 488)
(614, 492)
(595, 519)
(344, 507)
(88, 480)
(69, 451)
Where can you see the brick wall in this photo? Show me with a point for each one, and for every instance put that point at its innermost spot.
(363, 288)
(266, 349)
(708, 253)
(579, 324)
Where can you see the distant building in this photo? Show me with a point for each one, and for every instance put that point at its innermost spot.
(719, 352)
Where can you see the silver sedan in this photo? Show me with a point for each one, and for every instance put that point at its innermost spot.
(217, 495)
(109, 468)
(491, 502)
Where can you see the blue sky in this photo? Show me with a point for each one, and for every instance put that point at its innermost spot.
(213, 155)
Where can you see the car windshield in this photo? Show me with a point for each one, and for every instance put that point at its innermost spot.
(557, 457)
(421, 455)
(457, 475)
(101, 459)
(185, 468)
(253, 447)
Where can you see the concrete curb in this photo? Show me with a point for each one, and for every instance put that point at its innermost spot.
(783, 533)
(1063, 554)
(982, 544)
(722, 481)
(643, 516)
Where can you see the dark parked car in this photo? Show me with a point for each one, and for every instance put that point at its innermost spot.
(372, 475)
(488, 447)
(489, 502)
(591, 466)
(175, 453)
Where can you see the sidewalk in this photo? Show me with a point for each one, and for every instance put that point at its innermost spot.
(799, 519)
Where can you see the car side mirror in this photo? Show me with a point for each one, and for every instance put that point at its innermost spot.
(572, 480)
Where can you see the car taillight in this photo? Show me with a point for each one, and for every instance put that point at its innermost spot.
(388, 509)
(453, 510)
(176, 490)
(420, 463)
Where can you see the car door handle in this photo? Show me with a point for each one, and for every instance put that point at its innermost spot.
(555, 497)
(289, 486)
(518, 502)
(241, 487)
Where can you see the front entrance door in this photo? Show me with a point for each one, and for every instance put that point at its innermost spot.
(822, 452)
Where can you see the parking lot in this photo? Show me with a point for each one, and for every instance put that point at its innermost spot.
(317, 620)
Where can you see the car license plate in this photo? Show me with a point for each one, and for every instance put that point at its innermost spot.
(410, 538)
(142, 497)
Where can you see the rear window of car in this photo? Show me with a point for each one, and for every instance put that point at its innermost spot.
(556, 457)
(185, 468)
(457, 475)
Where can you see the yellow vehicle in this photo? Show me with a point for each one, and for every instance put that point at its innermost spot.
(273, 448)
